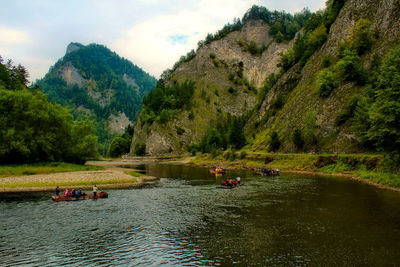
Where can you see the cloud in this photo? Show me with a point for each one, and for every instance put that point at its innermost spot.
(13, 37)
(157, 43)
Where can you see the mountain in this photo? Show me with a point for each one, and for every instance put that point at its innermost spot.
(225, 72)
(272, 82)
(335, 87)
(98, 84)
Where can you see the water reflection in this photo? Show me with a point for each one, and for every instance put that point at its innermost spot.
(183, 219)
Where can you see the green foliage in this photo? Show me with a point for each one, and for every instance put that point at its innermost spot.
(332, 11)
(274, 142)
(34, 129)
(105, 75)
(298, 139)
(326, 60)
(140, 149)
(227, 131)
(284, 26)
(164, 100)
(315, 34)
(287, 60)
(252, 47)
(377, 119)
(121, 144)
(236, 135)
(242, 154)
(191, 115)
(310, 129)
(179, 130)
(361, 38)
(349, 68)
(348, 113)
(326, 82)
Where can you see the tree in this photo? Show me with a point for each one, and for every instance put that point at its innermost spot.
(326, 82)
(384, 113)
(236, 134)
(140, 149)
(274, 142)
(298, 139)
(310, 129)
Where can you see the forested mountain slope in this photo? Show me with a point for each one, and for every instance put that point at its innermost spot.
(328, 107)
(98, 85)
(214, 86)
(333, 88)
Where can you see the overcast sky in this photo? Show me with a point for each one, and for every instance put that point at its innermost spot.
(153, 34)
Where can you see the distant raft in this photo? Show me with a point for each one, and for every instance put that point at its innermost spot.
(84, 197)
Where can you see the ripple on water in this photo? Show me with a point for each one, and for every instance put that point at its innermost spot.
(185, 220)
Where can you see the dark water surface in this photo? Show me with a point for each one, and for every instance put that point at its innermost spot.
(182, 219)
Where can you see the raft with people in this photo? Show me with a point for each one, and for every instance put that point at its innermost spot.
(230, 183)
(78, 194)
(268, 172)
(218, 170)
(82, 197)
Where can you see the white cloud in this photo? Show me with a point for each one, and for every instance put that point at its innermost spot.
(149, 45)
(13, 37)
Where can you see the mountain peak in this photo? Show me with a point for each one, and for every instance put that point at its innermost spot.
(73, 47)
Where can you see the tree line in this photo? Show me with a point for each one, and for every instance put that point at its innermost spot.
(36, 130)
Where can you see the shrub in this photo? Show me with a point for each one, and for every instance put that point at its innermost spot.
(140, 149)
(274, 142)
(242, 154)
(326, 60)
(212, 55)
(191, 115)
(298, 139)
(348, 67)
(179, 130)
(326, 83)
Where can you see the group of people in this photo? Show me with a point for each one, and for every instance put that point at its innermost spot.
(218, 169)
(269, 172)
(76, 193)
(231, 182)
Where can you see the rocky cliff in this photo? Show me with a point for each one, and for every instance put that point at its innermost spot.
(301, 97)
(226, 75)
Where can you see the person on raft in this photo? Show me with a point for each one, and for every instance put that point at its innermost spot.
(57, 191)
(95, 190)
(238, 180)
(67, 193)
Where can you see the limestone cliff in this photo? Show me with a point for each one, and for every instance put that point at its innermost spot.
(298, 86)
(218, 69)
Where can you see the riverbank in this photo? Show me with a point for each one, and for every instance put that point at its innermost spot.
(111, 176)
(364, 168)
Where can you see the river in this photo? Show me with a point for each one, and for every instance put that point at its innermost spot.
(183, 219)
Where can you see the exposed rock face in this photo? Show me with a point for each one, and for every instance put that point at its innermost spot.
(119, 123)
(130, 81)
(71, 75)
(73, 47)
(215, 70)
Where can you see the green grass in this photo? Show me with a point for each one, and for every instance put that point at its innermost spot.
(75, 183)
(134, 174)
(365, 166)
(43, 168)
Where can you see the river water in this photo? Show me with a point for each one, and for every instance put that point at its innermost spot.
(183, 219)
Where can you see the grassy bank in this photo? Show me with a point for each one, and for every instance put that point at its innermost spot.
(364, 166)
(43, 168)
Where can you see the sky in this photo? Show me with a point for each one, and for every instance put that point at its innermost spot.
(153, 34)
